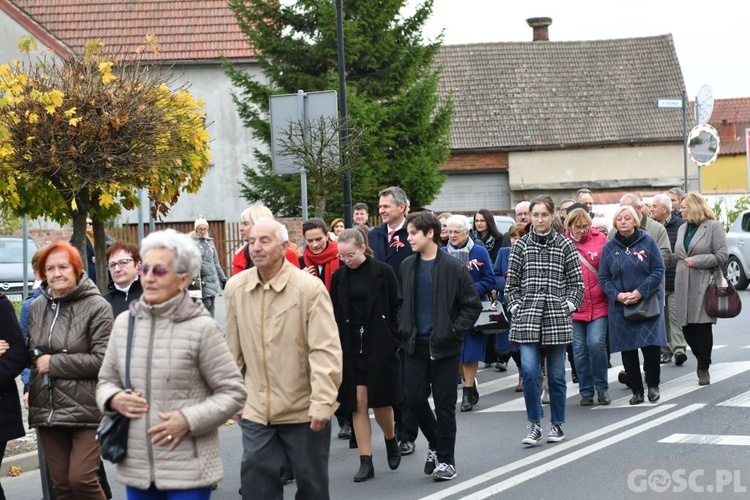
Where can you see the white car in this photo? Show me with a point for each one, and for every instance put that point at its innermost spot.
(738, 245)
(503, 222)
(11, 267)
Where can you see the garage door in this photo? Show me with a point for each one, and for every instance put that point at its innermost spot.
(469, 192)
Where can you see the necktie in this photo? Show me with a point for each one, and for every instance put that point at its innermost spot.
(390, 235)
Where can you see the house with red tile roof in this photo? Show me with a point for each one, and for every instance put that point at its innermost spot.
(193, 37)
(729, 173)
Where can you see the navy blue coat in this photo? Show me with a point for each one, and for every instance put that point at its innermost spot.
(638, 267)
(393, 254)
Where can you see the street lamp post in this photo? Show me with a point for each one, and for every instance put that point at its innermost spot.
(343, 119)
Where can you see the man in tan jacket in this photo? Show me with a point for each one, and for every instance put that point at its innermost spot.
(283, 335)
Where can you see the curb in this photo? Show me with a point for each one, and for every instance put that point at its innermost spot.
(26, 461)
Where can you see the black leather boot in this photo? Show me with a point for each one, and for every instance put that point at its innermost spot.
(366, 470)
(393, 452)
(466, 400)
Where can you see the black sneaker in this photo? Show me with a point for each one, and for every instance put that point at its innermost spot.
(444, 472)
(555, 434)
(587, 401)
(680, 358)
(406, 447)
(431, 462)
(534, 435)
(665, 358)
(345, 432)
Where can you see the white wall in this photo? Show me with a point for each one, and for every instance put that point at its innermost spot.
(231, 146)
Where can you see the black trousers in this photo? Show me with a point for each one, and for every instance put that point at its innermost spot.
(651, 366)
(406, 424)
(700, 338)
(265, 452)
(425, 375)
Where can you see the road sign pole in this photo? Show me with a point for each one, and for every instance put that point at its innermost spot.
(684, 138)
(303, 172)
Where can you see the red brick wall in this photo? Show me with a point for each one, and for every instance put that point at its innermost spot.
(497, 160)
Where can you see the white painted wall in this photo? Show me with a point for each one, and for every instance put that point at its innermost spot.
(231, 146)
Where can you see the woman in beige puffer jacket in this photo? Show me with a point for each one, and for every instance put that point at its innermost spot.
(185, 382)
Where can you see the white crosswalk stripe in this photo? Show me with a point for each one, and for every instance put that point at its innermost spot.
(706, 439)
(743, 400)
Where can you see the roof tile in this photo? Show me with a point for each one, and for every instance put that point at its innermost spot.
(527, 95)
(184, 30)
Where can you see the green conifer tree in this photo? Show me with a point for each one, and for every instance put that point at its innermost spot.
(391, 94)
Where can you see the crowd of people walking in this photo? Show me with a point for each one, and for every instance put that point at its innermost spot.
(371, 318)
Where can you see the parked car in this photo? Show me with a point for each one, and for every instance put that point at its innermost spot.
(11, 266)
(503, 222)
(738, 245)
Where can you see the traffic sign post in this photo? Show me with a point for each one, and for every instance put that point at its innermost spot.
(669, 103)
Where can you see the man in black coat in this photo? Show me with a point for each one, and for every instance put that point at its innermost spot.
(389, 244)
(440, 303)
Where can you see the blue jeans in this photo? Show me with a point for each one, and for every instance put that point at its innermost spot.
(153, 494)
(590, 353)
(531, 363)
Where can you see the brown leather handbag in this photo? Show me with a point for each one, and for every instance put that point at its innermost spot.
(722, 300)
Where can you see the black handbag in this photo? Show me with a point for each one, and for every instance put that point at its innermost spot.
(492, 319)
(643, 310)
(722, 301)
(112, 433)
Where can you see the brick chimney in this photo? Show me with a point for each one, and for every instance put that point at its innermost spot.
(727, 132)
(541, 28)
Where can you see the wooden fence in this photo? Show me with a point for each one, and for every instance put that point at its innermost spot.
(226, 235)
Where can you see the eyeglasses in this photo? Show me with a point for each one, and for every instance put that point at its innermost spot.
(159, 271)
(122, 263)
(89, 223)
(580, 229)
(348, 256)
(453, 232)
(201, 230)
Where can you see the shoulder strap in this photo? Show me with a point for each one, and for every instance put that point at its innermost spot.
(131, 325)
(586, 263)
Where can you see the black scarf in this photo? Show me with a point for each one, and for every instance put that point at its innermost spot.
(627, 241)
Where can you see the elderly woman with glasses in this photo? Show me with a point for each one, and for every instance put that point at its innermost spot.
(69, 326)
(477, 260)
(185, 381)
(366, 301)
(590, 320)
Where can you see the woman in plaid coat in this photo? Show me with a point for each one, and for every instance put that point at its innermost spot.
(544, 286)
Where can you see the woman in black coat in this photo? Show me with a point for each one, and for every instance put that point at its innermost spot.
(13, 359)
(366, 300)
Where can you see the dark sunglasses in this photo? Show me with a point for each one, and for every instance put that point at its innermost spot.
(159, 271)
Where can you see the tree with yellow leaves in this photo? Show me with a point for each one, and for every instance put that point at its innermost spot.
(79, 136)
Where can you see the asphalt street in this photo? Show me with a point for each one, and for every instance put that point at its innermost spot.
(692, 444)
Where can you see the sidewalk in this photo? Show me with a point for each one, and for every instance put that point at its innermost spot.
(22, 452)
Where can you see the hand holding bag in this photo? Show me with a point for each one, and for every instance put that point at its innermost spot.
(112, 433)
(643, 310)
(722, 300)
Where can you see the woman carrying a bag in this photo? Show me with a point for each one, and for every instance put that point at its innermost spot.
(590, 321)
(631, 271)
(701, 250)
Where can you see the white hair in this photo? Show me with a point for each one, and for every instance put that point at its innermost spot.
(663, 200)
(187, 258)
(523, 204)
(460, 221)
(282, 235)
(631, 199)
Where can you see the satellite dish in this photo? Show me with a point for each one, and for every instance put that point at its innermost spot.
(704, 105)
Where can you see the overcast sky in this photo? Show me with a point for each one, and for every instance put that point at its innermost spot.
(712, 37)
